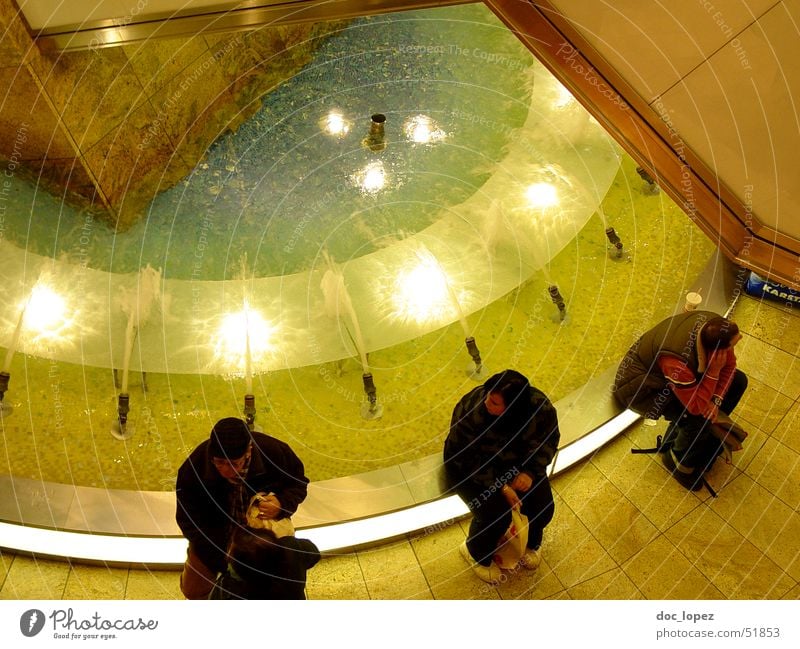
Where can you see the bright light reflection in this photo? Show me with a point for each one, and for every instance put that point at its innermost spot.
(563, 97)
(421, 292)
(422, 129)
(335, 124)
(542, 195)
(46, 314)
(372, 178)
(232, 338)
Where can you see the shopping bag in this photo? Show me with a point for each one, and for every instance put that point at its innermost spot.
(514, 542)
(281, 527)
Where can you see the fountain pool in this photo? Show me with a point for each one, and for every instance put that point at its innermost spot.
(494, 185)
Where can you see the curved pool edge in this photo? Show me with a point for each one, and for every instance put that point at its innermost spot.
(137, 528)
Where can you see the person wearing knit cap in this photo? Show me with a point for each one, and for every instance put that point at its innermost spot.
(214, 487)
(503, 436)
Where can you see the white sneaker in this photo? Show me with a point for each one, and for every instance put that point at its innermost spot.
(531, 559)
(491, 574)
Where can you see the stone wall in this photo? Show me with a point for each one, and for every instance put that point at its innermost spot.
(111, 128)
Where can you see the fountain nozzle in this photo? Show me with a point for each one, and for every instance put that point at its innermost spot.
(652, 187)
(121, 429)
(123, 408)
(370, 390)
(250, 409)
(5, 377)
(555, 295)
(371, 409)
(376, 140)
(472, 347)
(614, 240)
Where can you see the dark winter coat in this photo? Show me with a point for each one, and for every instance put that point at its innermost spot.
(482, 449)
(203, 494)
(289, 582)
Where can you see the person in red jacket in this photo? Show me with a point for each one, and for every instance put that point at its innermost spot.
(684, 369)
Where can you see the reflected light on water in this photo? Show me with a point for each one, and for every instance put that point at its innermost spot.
(46, 314)
(421, 292)
(232, 337)
(372, 178)
(541, 195)
(422, 129)
(334, 123)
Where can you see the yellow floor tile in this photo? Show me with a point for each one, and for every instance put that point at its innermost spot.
(336, 577)
(572, 552)
(96, 582)
(156, 584)
(30, 578)
(646, 484)
(614, 584)
(761, 406)
(766, 521)
(769, 322)
(788, 430)
(447, 573)
(660, 571)
(770, 365)
(734, 565)
(521, 583)
(613, 520)
(777, 468)
(392, 572)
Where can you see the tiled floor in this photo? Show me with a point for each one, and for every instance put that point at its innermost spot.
(623, 528)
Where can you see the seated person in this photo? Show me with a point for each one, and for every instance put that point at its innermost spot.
(263, 566)
(503, 435)
(684, 369)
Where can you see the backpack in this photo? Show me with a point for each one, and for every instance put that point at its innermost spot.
(708, 447)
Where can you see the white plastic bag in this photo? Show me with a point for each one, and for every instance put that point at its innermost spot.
(282, 527)
(514, 542)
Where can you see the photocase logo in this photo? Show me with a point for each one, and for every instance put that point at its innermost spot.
(31, 622)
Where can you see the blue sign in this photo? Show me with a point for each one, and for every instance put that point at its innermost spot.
(759, 287)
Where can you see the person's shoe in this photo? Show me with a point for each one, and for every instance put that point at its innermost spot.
(692, 481)
(531, 559)
(491, 574)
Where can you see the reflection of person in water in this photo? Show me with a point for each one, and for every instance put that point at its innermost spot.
(503, 435)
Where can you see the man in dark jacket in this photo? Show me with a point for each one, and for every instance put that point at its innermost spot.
(262, 566)
(503, 435)
(684, 369)
(214, 487)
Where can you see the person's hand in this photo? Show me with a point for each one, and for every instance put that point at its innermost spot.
(511, 497)
(269, 507)
(521, 482)
(711, 411)
(717, 361)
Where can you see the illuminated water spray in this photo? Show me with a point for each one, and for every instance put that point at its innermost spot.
(423, 292)
(243, 338)
(46, 318)
(338, 305)
(136, 303)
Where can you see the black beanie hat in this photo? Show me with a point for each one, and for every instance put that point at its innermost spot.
(229, 438)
